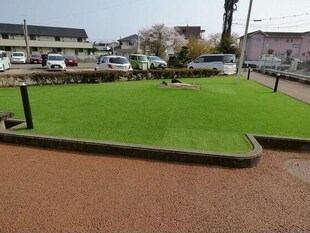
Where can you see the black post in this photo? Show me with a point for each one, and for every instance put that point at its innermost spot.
(249, 72)
(277, 82)
(26, 105)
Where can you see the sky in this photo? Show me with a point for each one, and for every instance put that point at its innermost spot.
(111, 20)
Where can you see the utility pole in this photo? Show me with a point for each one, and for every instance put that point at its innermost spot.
(244, 40)
(25, 29)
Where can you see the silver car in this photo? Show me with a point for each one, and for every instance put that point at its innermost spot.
(113, 62)
(157, 62)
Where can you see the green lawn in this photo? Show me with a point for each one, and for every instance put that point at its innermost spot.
(213, 119)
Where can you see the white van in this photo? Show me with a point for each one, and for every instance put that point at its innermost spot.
(225, 63)
(5, 63)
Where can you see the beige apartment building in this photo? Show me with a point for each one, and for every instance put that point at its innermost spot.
(42, 39)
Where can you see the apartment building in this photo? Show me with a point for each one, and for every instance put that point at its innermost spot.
(190, 31)
(284, 45)
(42, 39)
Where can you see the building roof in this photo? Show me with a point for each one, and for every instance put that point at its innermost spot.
(190, 31)
(191, 27)
(278, 34)
(129, 38)
(6, 28)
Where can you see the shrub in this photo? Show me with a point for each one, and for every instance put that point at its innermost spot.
(57, 78)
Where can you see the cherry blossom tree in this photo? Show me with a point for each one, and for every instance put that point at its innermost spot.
(157, 39)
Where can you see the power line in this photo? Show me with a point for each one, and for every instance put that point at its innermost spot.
(275, 27)
(276, 18)
(288, 24)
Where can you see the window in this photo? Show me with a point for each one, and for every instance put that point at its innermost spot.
(213, 58)
(57, 38)
(79, 40)
(7, 48)
(200, 60)
(32, 37)
(81, 50)
(34, 49)
(184, 31)
(3, 54)
(58, 50)
(295, 45)
(5, 36)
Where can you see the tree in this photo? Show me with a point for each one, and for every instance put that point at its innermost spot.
(158, 38)
(214, 39)
(197, 47)
(229, 44)
(183, 56)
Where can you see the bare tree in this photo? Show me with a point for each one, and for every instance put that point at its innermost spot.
(214, 39)
(158, 38)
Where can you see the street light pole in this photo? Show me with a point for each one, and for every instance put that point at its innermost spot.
(244, 40)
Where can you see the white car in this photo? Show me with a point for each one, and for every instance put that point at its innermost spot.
(5, 63)
(18, 57)
(157, 62)
(112, 62)
(55, 61)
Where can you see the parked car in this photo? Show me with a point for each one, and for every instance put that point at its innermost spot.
(157, 62)
(18, 57)
(113, 62)
(225, 63)
(5, 63)
(71, 61)
(55, 61)
(35, 59)
(139, 61)
(44, 58)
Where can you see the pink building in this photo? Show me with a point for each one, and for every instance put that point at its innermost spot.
(282, 44)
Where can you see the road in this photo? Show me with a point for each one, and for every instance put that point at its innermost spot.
(31, 68)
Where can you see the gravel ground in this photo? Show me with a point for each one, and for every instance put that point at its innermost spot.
(56, 191)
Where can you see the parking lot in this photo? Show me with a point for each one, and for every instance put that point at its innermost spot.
(31, 68)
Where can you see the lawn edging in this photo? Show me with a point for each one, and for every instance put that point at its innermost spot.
(100, 148)
(284, 143)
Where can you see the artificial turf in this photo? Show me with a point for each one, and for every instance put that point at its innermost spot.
(216, 118)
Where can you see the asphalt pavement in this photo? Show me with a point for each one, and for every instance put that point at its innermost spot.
(294, 89)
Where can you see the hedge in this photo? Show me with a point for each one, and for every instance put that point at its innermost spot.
(48, 78)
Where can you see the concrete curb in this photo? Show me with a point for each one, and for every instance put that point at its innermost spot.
(100, 148)
(283, 143)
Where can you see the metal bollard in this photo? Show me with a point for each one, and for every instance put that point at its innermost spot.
(276, 84)
(26, 105)
(249, 72)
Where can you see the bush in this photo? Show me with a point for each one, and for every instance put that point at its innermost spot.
(173, 61)
(57, 78)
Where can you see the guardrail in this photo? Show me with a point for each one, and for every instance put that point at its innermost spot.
(304, 79)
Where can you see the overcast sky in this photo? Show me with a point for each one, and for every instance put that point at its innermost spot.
(106, 20)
